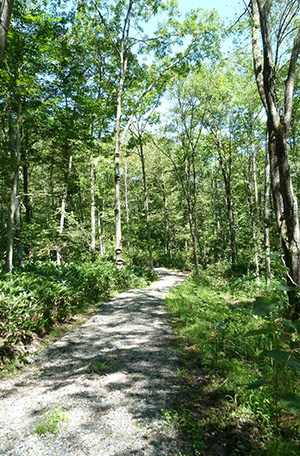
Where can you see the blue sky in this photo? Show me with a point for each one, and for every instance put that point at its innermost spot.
(228, 9)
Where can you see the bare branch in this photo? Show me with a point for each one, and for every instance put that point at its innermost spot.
(239, 18)
(257, 57)
(104, 23)
(126, 26)
(289, 84)
(150, 87)
(268, 70)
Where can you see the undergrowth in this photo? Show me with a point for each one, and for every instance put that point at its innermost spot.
(236, 384)
(33, 300)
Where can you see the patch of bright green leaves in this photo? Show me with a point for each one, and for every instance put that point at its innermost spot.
(33, 300)
(50, 423)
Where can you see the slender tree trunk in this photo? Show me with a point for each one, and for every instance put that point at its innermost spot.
(267, 219)
(18, 209)
(190, 217)
(166, 213)
(219, 214)
(195, 207)
(18, 234)
(16, 158)
(93, 205)
(253, 205)
(146, 202)
(119, 249)
(26, 188)
(2, 218)
(5, 16)
(63, 208)
(126, 193)
(230, 213)
(100, 234)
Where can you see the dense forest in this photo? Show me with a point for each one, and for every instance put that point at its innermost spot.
(133, 137)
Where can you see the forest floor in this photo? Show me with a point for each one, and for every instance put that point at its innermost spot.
(104, 389)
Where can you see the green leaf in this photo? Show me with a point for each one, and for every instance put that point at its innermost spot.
(264, 306)
(280, 267)
(290, 401)
(257, 384)
(284, 287)
(279, 356)
(255, 332)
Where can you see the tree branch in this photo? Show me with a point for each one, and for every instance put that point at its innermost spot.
(289, 84)
(104, 23)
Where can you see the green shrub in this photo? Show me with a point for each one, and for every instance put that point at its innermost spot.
(33, 300)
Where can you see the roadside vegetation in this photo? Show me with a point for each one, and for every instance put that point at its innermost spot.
(240, 365)
(43, 295)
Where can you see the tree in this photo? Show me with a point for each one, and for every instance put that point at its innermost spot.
(5, 17)
(278, 106)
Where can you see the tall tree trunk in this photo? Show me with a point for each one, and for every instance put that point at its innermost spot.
(63, 208)
(119, 248)
(289, 224)
(2, 218)
(5, 16)
(278, 124)
(18, 234)
(166, 214)
(15, 158)
(126, 193)
(230, 213)
(253, 205)
(93, 205)
(267, 219)
(219, 213)
(146, 202)
(26, 188)
(190, 217)
(100, 234)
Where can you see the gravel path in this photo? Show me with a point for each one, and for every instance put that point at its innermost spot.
(111, 378)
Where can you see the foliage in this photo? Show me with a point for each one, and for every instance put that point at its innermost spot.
(50, 423)
(31, 301)
(249, 365)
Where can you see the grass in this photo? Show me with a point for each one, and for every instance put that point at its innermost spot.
(50, 423)
(218, 414)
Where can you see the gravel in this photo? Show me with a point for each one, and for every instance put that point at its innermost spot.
(110, 379)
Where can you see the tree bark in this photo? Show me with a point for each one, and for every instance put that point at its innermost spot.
(15, 158)
(63, 208)
(190, 217)
(230, 213)
(166, 214)
(126, 193)
(93, 205)
(278, 123)
(267, 219)
(100, 234)
(26, 188)
(146, 201)
(5, 17)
